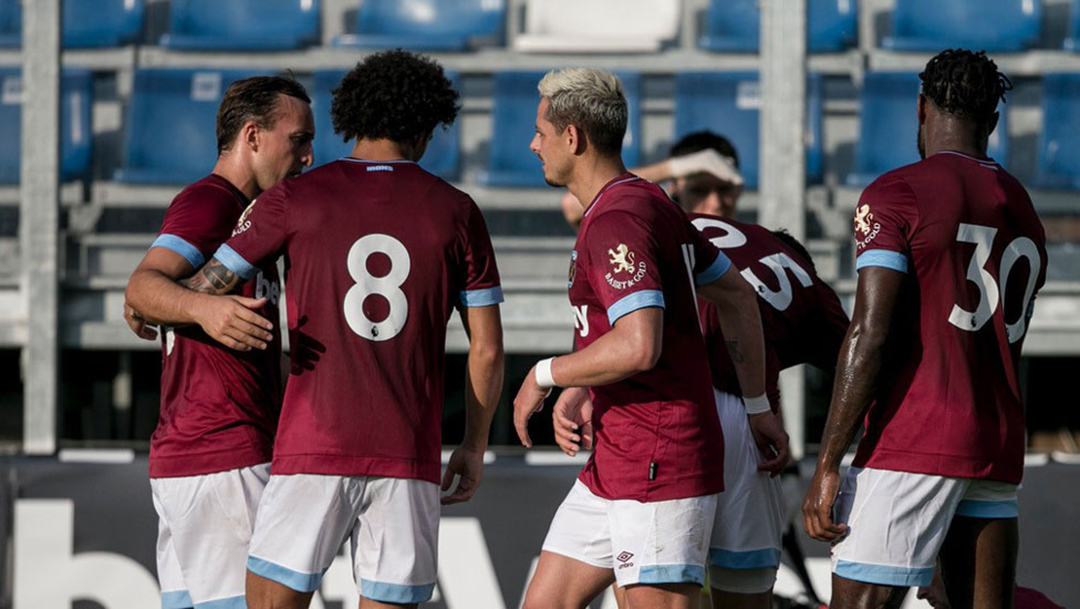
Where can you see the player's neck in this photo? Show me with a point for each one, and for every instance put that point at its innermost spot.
(379, 150)
(955, 136)
(239, 174)
(592, 175)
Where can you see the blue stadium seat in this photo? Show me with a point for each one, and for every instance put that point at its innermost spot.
(1059, 147)
(991, 25)
(510, 162)
(889, 127)
(427, 25)
(242, 25)
(102, 23)
(1072, 42)
(76, 96)
(443, 155)
(734, 26)
(170, 124)
(727, 103)
(10, 24)
(87, 23)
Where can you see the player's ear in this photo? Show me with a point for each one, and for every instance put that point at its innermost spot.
(922, 108)
(250, 135)
(575, 142)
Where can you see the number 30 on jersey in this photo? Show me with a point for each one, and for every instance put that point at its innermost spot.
(990, 295)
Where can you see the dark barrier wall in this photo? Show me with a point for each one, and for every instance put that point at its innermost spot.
(82, 535)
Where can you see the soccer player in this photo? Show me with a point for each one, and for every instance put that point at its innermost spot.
(210, 453)
(379, 253)
(803, 323)
(950, 256)
(658, 460)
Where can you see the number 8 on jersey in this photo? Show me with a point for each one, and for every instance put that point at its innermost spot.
(387, 286)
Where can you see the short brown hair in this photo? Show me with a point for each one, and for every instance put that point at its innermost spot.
(253, 99)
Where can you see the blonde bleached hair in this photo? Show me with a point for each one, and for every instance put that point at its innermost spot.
(591, 100)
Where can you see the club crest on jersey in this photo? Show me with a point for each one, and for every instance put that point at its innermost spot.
(243, 223)
(622, 261)
(573, 269)
(863, 219)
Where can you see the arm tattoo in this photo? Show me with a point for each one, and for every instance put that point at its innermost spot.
(212, 278)
(733, 351)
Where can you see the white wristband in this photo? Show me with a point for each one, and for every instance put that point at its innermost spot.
(543, 373)
(757, 404)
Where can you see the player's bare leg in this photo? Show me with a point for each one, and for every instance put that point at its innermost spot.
(735, 600)
(850, 594)
(664, 596)
(978, 562)
(560, 582)
(265, 593)
(620, 596)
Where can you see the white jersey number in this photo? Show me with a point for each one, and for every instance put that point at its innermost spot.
(387, 286)
(989, 293)
(780, 299)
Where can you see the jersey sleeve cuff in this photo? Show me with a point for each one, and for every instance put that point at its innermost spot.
(883, 258)
(481, 298)
(177, 244)
(715, 271)
(235, 262)
(633, 302)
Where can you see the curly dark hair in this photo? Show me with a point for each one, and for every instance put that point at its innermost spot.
(395, 95)
(964, 83)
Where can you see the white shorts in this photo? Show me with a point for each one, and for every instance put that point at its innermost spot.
(662, 542)
(749, 522)
(203, 534)
(393, 524)
(897, 521)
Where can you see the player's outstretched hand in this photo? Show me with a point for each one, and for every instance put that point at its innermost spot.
(529, 401)
(772, 442)
(572, 418)
(142, 328)
(468, 466)
(233, 322)
(818, 505)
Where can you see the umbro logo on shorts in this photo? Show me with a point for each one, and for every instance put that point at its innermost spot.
(624, 557)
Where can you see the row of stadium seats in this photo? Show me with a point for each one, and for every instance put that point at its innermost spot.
(599, 25)
(178, 106)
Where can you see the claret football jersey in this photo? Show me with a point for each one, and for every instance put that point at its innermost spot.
(801, 316)
(378, 256)
(657, 436)
(966, 236)
(219, 407)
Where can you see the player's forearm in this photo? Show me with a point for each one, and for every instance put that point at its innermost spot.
(657, 172)
(612, 358)
(740, 321)
(159, 299)
(483, 386)
(212, 278)
(856, 376)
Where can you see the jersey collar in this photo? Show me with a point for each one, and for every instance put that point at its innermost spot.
(624, 178)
